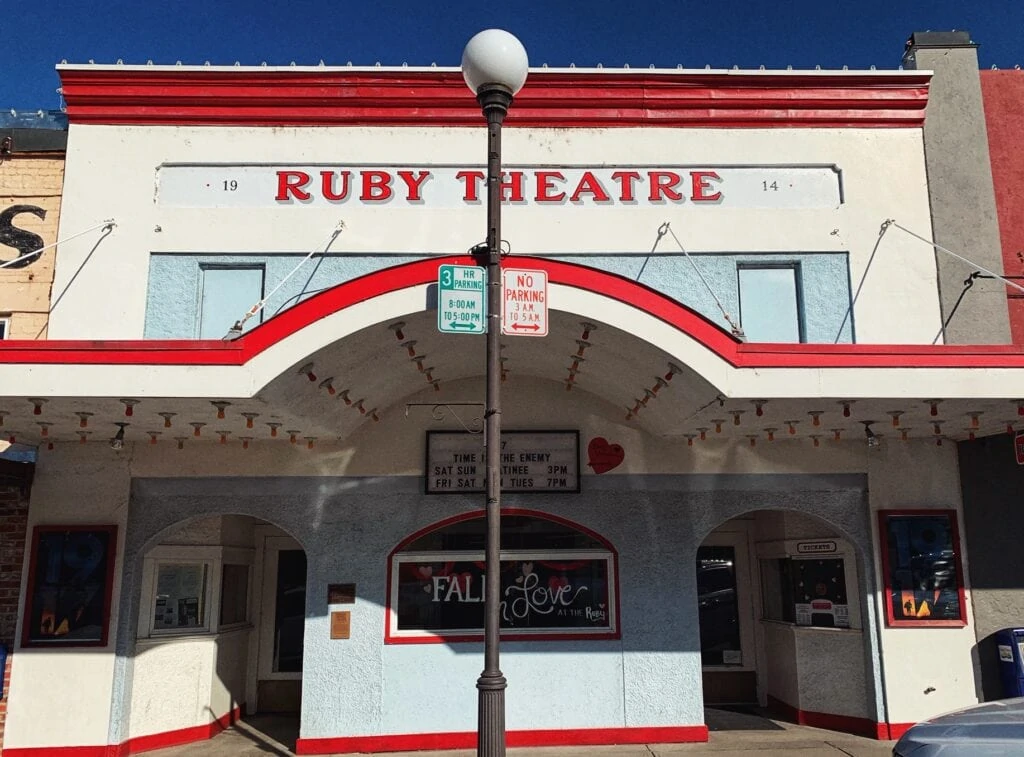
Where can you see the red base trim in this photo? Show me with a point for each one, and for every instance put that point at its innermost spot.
(136, 745)
(462, 740)
(895, 730)
(832, 722)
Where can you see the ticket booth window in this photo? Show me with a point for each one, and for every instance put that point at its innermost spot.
(805, 591)
(180, 597)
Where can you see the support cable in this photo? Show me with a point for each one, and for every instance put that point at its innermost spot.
(737, 331)
(236, 331)
(958, 257)
(23, 259)
(968, 283)
(849, 310)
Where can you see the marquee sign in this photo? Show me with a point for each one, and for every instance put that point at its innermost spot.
(531, 461)
(449, 186)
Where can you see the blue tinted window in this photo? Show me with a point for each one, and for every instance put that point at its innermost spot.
(770, 304)
(227, 295)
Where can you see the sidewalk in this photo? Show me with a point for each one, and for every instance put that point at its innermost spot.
(732, 735)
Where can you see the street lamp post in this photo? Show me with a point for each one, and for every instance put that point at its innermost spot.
(494, 65)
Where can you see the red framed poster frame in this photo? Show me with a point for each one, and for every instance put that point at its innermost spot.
(884, 517)
(108, 586)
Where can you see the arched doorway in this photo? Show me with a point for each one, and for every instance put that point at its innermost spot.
(780, 619)
(221, 620)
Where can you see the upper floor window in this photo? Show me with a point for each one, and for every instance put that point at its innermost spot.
(226, 294)
(4, 325)
(558, 580)
(770, 303)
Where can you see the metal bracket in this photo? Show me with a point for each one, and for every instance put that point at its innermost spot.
(439, 410)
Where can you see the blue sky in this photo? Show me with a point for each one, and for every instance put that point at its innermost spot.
(802, 33)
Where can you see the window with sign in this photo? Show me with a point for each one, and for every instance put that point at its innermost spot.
(807, 591)
(558, 580)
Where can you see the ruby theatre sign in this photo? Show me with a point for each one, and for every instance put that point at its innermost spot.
(436, 186)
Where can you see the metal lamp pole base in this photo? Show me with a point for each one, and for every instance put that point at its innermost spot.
(491, 685)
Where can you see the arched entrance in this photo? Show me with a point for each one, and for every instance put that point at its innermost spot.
(780, 619)
(221, 620)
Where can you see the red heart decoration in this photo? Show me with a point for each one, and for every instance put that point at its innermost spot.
(604, 456)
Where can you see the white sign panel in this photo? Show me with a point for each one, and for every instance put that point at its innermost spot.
(436, 186)
(815, 547)
(524, 310)
(531, 461)
(461, 299)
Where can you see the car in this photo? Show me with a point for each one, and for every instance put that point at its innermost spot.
(991, 728)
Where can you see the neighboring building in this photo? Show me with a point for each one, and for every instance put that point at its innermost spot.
(976, 181)
(993, 477)
(31, 174)
(289, 521)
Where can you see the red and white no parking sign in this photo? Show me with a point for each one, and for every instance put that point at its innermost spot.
(524, 310)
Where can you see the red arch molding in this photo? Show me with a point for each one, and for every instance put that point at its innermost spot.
(652, 302)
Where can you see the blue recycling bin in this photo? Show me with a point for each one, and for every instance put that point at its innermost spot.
(1010, 643)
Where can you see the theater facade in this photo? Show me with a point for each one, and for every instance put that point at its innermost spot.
(729, 464)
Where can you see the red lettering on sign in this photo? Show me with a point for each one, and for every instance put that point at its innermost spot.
(663, 183)
(327, 185)
(512, 187)
(292, 182)
(471, 180)
(701, 185)
(544, 186)
(376, 186)
(626, 180)
(414, 183)
(590, 184)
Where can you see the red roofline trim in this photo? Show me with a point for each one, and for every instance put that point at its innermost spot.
(397, 278)
(248, 97)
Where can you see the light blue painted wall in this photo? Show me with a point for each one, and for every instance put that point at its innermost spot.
(360, 686)
(172, 305)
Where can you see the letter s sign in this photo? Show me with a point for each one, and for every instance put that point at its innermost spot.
(22, 241)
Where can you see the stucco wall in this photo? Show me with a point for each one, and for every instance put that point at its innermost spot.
(175, 284)
(910, 476)
(993, 485)
(656, 509)
(901, 278)
(960, 186)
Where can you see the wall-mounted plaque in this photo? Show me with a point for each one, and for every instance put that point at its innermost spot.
(531, 461)
(341, 624)
(341, 594)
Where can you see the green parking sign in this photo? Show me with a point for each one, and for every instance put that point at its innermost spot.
(461, 299)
